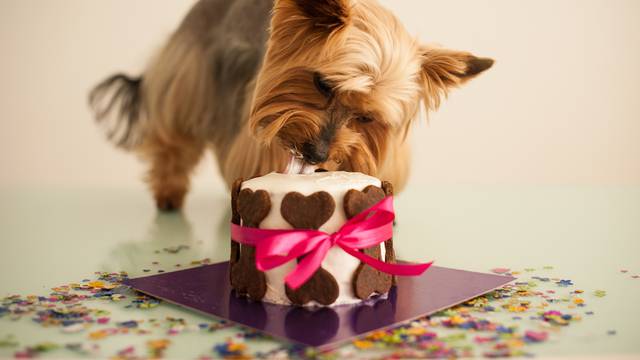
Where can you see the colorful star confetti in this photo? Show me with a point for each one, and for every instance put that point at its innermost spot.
(509, 321)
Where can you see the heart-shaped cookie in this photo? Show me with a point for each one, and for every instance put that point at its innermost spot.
(307, 212)
(321, 287)
(367, 280)
(253, 207)
(356, 201)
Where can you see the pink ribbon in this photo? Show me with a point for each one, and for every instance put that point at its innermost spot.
(371, 227)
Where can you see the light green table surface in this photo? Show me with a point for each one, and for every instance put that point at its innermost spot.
(51, 237)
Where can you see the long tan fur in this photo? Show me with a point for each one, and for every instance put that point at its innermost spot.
(338, 84)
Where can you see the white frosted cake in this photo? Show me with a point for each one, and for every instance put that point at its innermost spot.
(321, 201)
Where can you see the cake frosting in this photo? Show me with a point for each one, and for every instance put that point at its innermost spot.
(337, 262)
(336, 183)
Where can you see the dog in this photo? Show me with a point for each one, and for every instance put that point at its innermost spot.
(330, 83)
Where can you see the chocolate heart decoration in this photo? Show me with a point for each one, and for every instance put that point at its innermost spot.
(310, 212)
(367, 280)
(307, 212)
(246, 279)
(253, 207)
(321, 287)
(356, 201)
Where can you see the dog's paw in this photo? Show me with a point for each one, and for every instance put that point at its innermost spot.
(170, 200)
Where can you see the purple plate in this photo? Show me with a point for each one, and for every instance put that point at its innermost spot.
(207, 290)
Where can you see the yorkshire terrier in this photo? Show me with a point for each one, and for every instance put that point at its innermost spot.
(330, 83)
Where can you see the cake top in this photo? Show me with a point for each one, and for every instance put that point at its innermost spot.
(333, 182)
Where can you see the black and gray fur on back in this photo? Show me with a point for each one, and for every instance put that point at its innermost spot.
(199, 85)
(116, 103)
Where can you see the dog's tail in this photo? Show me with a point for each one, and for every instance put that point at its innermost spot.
(117, 105)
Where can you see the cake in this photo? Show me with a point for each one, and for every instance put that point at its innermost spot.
(322, 201)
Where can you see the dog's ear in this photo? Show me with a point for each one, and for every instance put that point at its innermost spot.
(444, 69)
(324, 14)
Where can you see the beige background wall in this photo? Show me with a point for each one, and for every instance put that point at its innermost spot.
(559, 107)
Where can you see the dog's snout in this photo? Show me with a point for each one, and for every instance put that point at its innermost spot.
(315, 153)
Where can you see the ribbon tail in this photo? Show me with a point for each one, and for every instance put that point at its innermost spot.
(393, 269)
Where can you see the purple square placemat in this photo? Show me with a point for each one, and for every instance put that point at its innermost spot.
(207, 290)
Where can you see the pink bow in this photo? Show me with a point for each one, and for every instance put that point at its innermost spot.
(371, 227)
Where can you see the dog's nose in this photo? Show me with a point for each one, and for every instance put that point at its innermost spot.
(314, 153)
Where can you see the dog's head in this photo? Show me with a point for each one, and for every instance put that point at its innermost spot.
(342, 76)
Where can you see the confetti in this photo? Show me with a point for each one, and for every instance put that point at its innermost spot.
(201, 262)
(8, 341)
(555, 317)
(73, 328)
(500, 270)
(174, 249)
(498, 324)
(534, 336)
(156, 348)
(143, 301)
(578, 301)
(564, 283)
(128, 324)
(231, 350)
(36, 350)
(84, 349)
(363, 344)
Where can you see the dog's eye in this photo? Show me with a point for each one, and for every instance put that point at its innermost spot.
(364, 119)
(322, 85)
